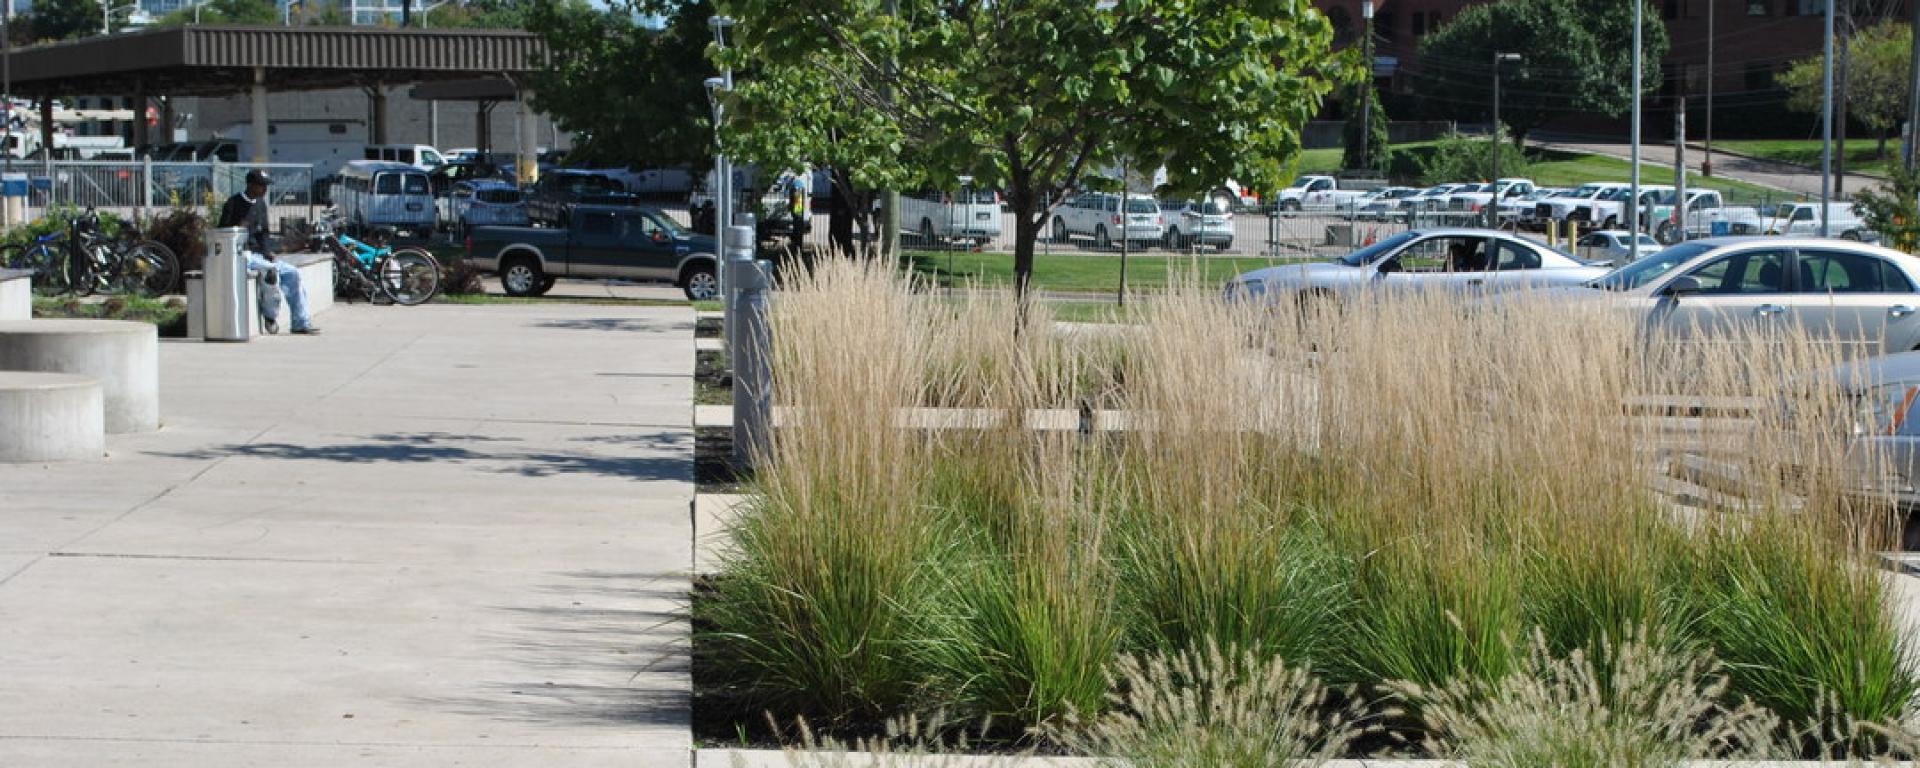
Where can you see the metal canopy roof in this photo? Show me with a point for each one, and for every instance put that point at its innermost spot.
(209, 60)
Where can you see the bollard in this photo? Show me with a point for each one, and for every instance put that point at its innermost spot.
(748, 283)
(1553, 234)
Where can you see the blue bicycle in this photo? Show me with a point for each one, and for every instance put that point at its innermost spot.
(405, 276)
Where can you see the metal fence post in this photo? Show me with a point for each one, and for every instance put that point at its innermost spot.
(146, 184)
(747, 285)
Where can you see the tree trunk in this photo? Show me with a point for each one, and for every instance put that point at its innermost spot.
(1026, 233)
(840, 221)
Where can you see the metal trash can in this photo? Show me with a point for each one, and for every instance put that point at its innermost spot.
(227, 303)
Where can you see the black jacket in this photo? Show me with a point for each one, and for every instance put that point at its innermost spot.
(250, 215)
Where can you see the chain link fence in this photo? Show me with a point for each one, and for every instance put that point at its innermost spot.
(139, 189)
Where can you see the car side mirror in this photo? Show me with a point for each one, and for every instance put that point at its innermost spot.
(1685, 285)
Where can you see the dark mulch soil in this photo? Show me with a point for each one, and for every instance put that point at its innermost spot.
(707, 328)
(713, 468)
(712, 381)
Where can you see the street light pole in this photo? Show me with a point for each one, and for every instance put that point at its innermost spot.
(1366, 92)
(722, 173)
(1633, 199)
(1493, 199)
(1826, 122)
(1706, 160)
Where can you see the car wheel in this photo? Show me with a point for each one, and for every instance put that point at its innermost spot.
(1667, 233)
(1291, 206)
(1852, 234)
(699, 282)
(546, 284)
(1100, 239)
(1060, 234)
(521, 277)
(1610, 223)
(1173, 241)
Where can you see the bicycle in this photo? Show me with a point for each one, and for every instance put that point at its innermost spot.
(82, 261)
(405, 276)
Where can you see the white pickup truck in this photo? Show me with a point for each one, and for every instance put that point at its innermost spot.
(1319, 193)
(1803, 220)
(1477, 199)
(1707, 215)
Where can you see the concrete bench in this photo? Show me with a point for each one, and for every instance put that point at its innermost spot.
(124, 357)
(316, 282)
(50, 417)
(16, 294)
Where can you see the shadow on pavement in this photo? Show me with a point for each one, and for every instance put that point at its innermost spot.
(448, 448)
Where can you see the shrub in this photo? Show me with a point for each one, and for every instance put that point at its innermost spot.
(1209, 706)
(183, 231)
(1456, 157)
(1645, 706)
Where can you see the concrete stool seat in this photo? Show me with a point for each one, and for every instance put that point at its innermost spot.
(49, 417)
(16, 294)
(124, 357)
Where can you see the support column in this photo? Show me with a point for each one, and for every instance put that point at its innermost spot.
(262, 153)
(529, 141)
(483, 129)
(377, 114)
(142, 136)
(46, 126)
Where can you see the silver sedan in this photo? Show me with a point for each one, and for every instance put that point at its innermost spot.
(1468, 260)
(1863, 297)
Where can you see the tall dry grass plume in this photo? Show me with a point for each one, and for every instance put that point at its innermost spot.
(1391, 488)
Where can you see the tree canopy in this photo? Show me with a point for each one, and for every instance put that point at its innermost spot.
(628, 87)
(258, 12)
(1878, 66)
(1578, 57)
(1032, 95)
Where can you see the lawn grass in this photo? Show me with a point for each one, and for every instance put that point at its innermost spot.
(1075, 273)
(1862, 154)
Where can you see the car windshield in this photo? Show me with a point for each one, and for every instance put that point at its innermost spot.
(1142, 205)
(1650, 268)
(1367, 255)
(1584, 192)
(672, 227)
(1439, 190)
(1302, 181)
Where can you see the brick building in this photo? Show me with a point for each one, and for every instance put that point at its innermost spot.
(1752, 42)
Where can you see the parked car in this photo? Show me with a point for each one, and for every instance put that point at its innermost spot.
(599, 241)
(1560, 208)
(1609, 209)
(1199, 222)
(1884, 440)
(1479, 198)
(1384, 204)
(942, 217)
(1447, 259)
(1097, 215)
(1612, 246)
(556, 192)
(1432, 198)
(1521, 211)
(1854, 294)
(485, 204)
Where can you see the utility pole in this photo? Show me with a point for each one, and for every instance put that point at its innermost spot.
(1826, 121)
(6, 74)
(1679, 171)
(1842, 67)
(1633, 199)
(890, 198)
(1366, 93)
(1913, 90)
(1706, 161)
(1493, 201)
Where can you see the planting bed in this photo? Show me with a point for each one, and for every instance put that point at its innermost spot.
(1404, 526)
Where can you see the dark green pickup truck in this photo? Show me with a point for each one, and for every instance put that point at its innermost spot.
(598, 242)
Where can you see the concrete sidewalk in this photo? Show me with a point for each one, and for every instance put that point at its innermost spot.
(442, 535)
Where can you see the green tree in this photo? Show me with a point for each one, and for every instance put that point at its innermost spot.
(1464, 158)
(478, 14)
(1893, 209)
(630, 91)
(1878, 67)
(1378, 141)
(257, 12)
(64, 19)
(1578, 57)
(1029, 95)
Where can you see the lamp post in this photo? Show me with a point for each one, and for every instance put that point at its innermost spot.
(1493, 200)
(1633, 197)
(1826, 122)
(1706, 160)
(1366, 92)
(722, 173)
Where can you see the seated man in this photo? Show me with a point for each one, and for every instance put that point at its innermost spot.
(248, 210)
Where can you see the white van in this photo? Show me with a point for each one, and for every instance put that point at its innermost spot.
(420, 156)
(936, 217)
(377, 195)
